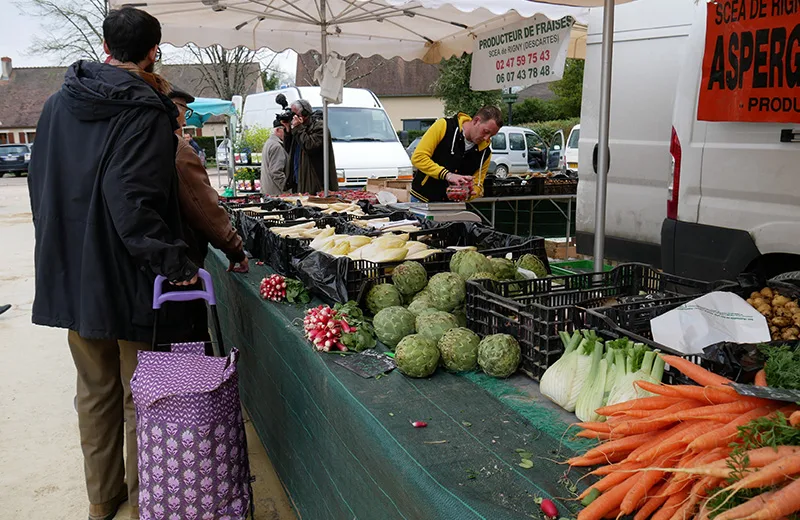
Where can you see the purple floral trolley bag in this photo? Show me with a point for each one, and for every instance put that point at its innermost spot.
(193, 461)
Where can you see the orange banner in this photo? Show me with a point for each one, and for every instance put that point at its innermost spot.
(751, 66)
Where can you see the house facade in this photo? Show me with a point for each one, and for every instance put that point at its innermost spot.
(405, 88)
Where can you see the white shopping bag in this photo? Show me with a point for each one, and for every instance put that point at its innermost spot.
(710, 319)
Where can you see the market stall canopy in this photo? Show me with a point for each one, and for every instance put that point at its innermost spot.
(418, 29)
(205, 108)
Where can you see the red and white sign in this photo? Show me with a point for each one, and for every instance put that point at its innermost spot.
(751, 66)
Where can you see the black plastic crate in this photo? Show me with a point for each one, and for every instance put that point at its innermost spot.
(280, 251)
(512, 186)
(633, 320)
(560, 187)
(535, 311)
(353, 275)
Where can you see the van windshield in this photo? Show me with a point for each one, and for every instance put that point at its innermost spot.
(360, 124)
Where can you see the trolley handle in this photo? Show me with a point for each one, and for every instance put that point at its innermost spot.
(207, 294)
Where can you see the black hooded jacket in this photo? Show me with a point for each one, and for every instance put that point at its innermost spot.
(103, 191)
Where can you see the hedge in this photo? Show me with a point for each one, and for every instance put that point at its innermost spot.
(546, 129)
(207, 144)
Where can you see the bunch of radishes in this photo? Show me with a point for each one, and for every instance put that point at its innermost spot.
(273, 288)
(324, 328)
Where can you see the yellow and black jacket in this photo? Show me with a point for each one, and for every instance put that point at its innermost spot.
(441, 151)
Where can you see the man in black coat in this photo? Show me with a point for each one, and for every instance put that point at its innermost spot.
(103, 192)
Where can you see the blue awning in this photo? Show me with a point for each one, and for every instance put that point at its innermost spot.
(204, 108)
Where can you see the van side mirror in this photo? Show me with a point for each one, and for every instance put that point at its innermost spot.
(404, 138)
(594, 159)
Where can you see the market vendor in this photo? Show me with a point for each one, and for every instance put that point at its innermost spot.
(454, 151)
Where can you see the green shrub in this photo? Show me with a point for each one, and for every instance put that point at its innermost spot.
(252, 139)
(546, 129)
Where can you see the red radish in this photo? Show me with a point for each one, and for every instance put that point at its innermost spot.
(419, 424)
(323, 329)
(549, 508)
(273, 288)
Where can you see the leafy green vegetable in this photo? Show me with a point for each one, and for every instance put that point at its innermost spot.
(296, 292)
(782, 366)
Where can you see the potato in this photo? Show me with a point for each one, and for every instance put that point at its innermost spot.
(796, 319)
(774, 330)
(780, 301)
(792, 305)
(755, 295)
(765, 310)
(758, 302)
(767, 292)
(782, 311)
(781, 321)
(789, 335)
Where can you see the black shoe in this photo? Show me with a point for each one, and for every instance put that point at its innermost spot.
(4, 308)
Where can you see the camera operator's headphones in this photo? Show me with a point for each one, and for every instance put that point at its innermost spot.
(305, 112)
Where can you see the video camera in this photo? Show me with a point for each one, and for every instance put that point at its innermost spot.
(286, 115)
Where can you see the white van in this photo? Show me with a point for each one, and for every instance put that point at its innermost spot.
(365, 145)
(569, 161)
(736, 207)
(518, 150)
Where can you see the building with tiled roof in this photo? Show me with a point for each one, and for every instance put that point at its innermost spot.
(24, 90)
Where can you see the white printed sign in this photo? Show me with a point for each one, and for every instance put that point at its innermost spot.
(529, 52)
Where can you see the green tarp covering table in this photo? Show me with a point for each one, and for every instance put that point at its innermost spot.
(344, 446)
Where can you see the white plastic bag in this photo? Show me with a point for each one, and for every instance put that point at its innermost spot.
(710, 319)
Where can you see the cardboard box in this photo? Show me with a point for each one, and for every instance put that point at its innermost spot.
(560, 250)
(399, 188)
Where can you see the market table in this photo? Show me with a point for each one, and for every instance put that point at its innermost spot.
(534, 200)
(344, 446)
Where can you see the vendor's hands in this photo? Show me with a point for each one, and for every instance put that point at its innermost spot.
(459, 180)
(241, 267)
(187, 282)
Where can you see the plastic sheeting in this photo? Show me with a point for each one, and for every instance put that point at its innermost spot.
(344, 447)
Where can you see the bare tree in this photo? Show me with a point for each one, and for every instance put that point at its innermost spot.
(231, 72)
(353, 65)
(71, 29)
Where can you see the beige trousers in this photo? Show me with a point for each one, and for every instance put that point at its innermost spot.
(105, 368)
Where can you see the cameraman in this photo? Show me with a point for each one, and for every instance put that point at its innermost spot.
(306, 157)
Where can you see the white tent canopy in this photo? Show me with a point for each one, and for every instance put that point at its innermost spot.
(419, 29)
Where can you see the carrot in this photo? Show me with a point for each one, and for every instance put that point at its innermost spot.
(589, 434)
(608, 482)
(680, 439)
(706, 394)
(612, 514)
(748, 508)
(658, 439)
(773, 473)
(645, 403)
(794, 419)
(657, 422)
(671, 505)
(698, 491)
(622, 466)
(639, 490)
(694, 372)
(586, 461)
(653, 503)
(738, 407)
(761, 378)
(594, 426)
(723, 436)
(609, 500)
(626, 444)
(782, 503)
(758, 458)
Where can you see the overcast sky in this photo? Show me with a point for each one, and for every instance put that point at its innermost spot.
(18, 30)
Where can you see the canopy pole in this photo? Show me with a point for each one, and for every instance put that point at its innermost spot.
(325, 151)
(603, 137)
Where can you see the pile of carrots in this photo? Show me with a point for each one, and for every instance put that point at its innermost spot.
(664, 457)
